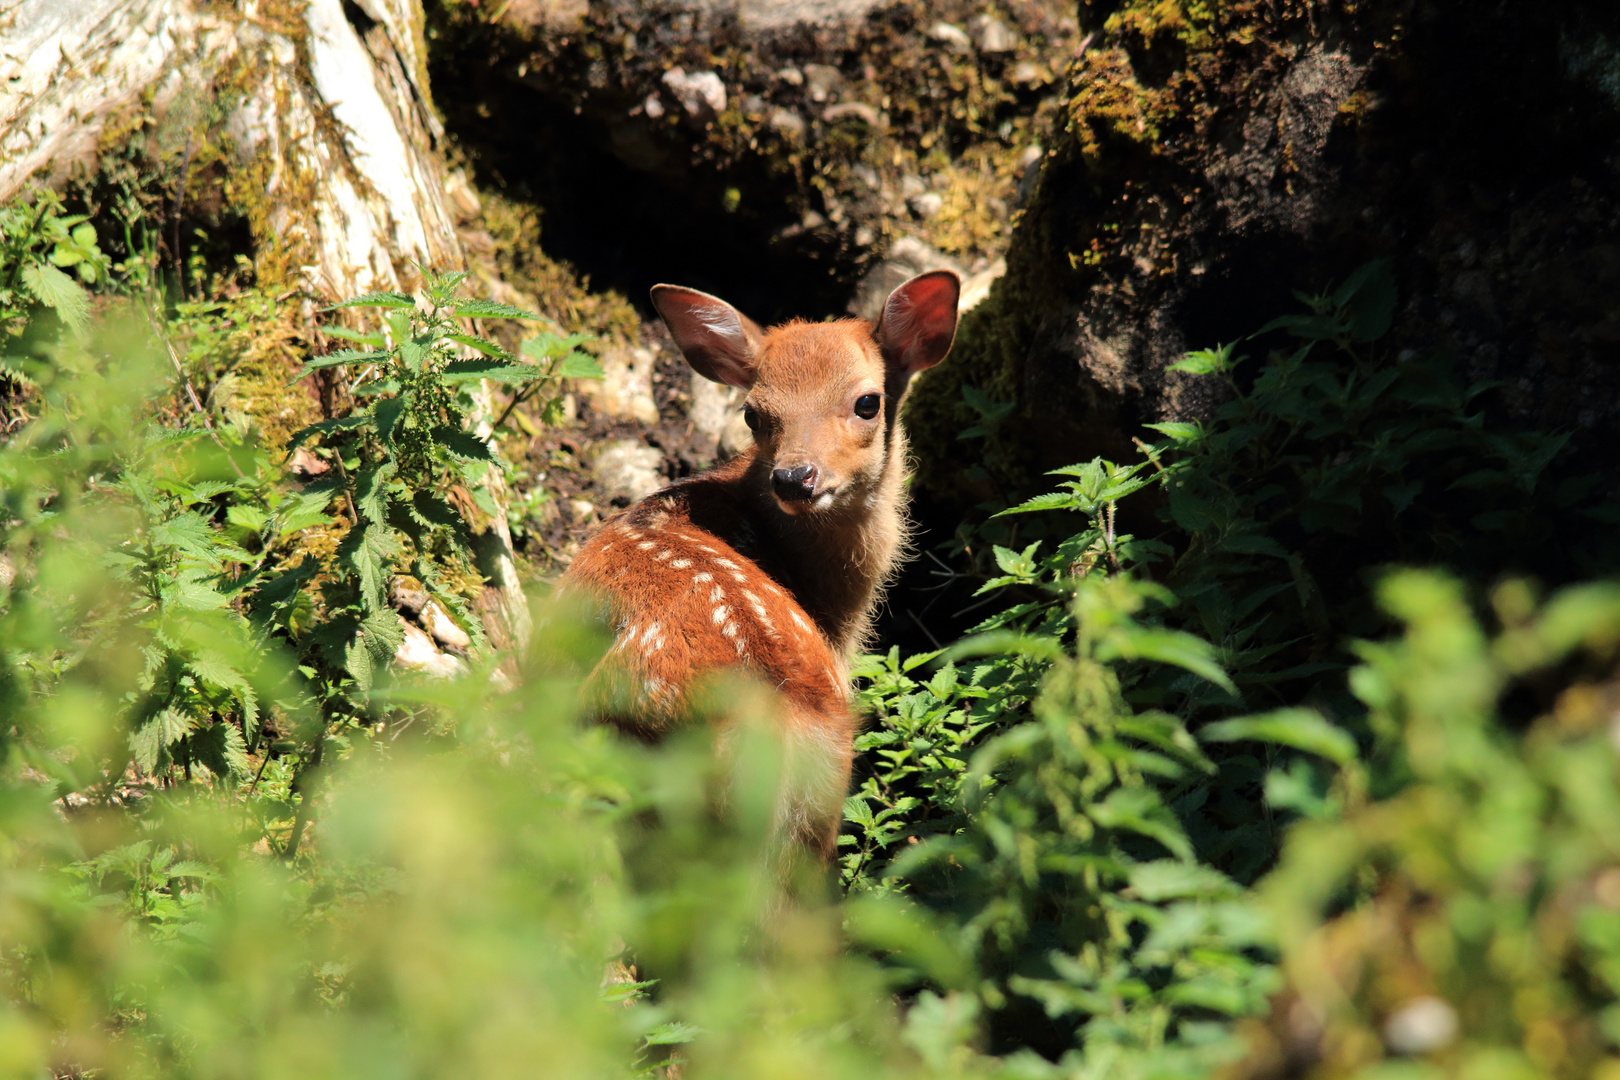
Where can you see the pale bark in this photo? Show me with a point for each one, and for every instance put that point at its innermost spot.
(358, 198)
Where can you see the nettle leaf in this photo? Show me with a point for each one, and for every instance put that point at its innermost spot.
(392, 300)
(151, 740)
(365, 551)
(285, 586)
(190, 534)
(382, 631)
(56, 290)
(1166, 879)
(326, 427)
(344, 356)
(189, 592)
(387, 412)
(371, 338)
(489, 309)
(1175, 647)
(1302, 729)
(463, 444)
(1366, 301)
(371, 492)
(548, 346)
(221, 749)
(1181, 432)
(459, 371)
(482, 345)
(441, 288)
(357, 662)
(1052, 500)
(251, 518)
(578, 365)
(306, 510)
(429, 509)
(1205, 361)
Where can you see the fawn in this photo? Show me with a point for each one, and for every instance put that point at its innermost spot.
(774, 560)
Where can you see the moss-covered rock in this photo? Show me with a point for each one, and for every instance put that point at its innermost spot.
(1217, 157)
(764, 156)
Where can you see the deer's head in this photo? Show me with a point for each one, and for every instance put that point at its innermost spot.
(823, 398)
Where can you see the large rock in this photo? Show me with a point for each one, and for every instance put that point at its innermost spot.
(1207, 173)
(767, 151)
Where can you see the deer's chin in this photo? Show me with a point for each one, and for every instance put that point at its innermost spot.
(819, 503)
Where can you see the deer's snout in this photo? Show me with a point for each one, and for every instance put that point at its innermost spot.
(796, 484)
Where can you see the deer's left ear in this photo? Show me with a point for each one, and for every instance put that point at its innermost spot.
(918, 323)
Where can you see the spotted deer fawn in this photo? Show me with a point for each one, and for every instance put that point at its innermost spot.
(774, 560)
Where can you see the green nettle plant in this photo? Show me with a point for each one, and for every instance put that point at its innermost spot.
(39, 245)
(1157, 816)
(1325, 458)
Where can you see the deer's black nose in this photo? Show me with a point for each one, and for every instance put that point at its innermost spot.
(794, 484)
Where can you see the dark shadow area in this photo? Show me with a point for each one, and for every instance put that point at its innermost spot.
(630, 226)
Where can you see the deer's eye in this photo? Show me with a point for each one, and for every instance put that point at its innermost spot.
(751, 417)
(867, 405)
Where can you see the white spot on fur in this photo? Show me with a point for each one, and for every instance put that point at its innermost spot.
(721, 614)
(716, 595)
(727, 563)
(703, 578)
(646, 545)
(680, 564)
(730, 629)
(650, 631)
(799, 619)
(662, 555)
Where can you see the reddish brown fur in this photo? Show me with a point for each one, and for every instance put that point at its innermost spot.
(716, 571)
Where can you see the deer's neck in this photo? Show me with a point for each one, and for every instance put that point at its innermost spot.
(837, 563)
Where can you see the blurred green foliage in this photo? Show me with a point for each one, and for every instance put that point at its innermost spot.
(1157, 816)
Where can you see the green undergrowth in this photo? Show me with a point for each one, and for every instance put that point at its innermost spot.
(1200, 802)
(1178, 704)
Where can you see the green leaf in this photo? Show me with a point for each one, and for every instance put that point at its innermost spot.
(1366, 301)
(1052, 500)
(1166, 879)
(547, 346)
(345, 356)
(482, 345)
(1302, 729)
(463, 444)
(388, 411)
(1205, 361)
(1167, 647)
(578, 365)
(190, 534)
(56, 290)
(672, 1033)
(392, 300)
(1182, 432)
(997, 642)
(489, 309)
(373, 340)
(458, 371)
(326, 427)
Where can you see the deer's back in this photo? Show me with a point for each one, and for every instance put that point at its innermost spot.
(684, 601)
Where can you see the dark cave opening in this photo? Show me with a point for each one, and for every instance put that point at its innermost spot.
(626, 227)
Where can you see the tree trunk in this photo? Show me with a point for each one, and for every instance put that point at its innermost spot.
(331, 126)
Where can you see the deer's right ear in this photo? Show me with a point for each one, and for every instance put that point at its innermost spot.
(720, 342)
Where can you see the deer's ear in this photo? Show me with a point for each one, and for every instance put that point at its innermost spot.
(918, 322)
(720, 342)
